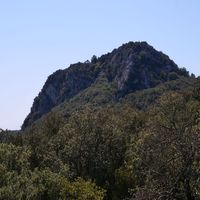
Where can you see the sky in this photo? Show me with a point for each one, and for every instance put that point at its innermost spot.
(38, 37)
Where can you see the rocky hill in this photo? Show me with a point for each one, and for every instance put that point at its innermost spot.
(122, 126)
(134, 66)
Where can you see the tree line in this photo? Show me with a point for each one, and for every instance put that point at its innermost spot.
(113, 152)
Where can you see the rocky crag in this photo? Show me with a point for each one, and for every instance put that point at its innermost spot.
(132, 67)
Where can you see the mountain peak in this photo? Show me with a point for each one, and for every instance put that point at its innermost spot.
(138, 44)
(131, 67)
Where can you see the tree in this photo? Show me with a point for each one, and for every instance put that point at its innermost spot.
(18, 181)
(165, 158)
(93, 143)
(94, 59)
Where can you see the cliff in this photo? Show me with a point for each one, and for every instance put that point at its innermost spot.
(134, 66)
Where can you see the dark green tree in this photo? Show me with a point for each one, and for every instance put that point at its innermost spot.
(164, 160)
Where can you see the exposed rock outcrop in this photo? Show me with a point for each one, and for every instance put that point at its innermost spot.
(133, 66)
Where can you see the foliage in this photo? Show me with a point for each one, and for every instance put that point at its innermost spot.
(146, 146)
(165, 157)
(19, 182)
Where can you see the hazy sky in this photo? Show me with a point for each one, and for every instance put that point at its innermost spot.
(38, 37)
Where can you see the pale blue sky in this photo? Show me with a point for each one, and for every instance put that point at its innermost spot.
(38, 37)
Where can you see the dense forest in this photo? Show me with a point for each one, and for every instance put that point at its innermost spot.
(109, 139)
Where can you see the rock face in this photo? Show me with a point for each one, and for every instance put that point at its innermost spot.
(133, 66)
(60, 86)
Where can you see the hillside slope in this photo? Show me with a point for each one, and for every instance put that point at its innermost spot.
(132, 67)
